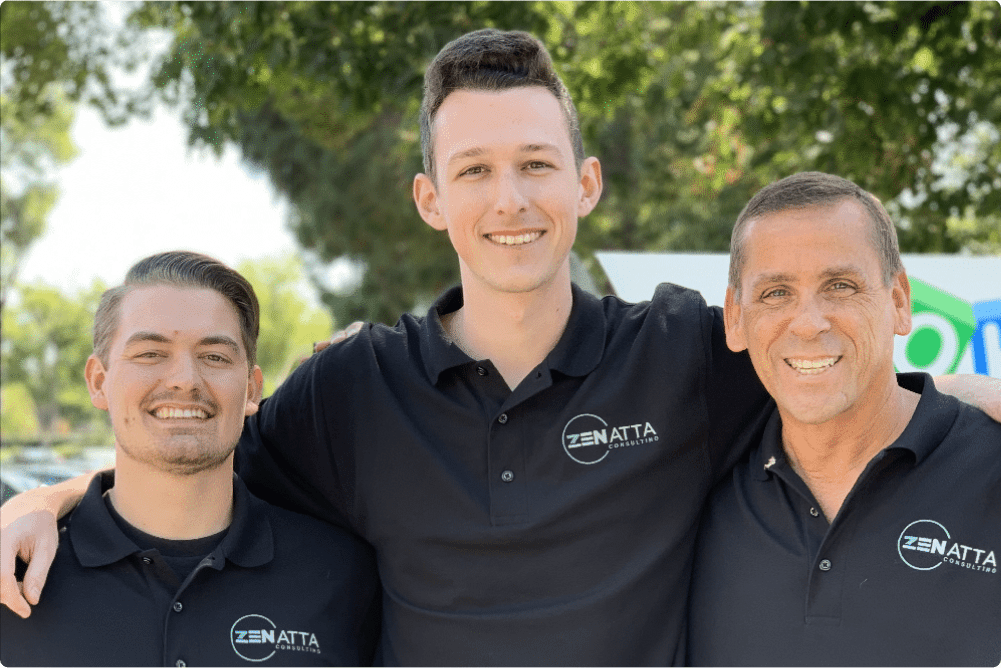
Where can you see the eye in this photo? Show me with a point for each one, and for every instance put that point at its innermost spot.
(473, 171)
(538, 164)
(776, 293)
(841, 286)
(216, 357)
(148, 354)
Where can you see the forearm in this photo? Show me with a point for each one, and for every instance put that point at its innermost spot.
(983, 392)
(57, 499)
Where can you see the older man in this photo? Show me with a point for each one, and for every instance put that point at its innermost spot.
(174, 562)
(866, 526)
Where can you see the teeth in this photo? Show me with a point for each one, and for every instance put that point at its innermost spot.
(168, 413)
(812, 367)
(514, 240)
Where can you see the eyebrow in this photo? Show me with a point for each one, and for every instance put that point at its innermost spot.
(477, 151)
(215, 340)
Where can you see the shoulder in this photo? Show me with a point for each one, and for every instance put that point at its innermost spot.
(978, 432)
(306, 537)
(672, 309)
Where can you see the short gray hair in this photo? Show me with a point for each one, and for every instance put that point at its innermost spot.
(816, 189)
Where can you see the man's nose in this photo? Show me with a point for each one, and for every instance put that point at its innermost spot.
(811, 318)
(509, 198)
(183, 373)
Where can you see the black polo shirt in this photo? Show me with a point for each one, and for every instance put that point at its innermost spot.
(906, 574)
(279, 589)
(553, 524)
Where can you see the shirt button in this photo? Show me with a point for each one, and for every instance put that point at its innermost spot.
(180, 663)
(481, 370)
(147, 561)
(177, 606)
(507, 476)
(813, 511)
(503, 418)
(825, 565)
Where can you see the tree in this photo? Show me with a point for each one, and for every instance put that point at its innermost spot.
(47, 339)
(53, 56)
(692, 107)
(289, 324)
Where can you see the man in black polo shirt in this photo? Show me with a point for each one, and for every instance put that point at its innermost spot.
(865, 529)
(528, 461)
(170, 560)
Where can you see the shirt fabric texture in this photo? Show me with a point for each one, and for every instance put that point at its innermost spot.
(905, 574)
(280, 589)
(549, 525)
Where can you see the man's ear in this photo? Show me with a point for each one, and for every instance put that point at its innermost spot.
(732, 316)
(95, 374)
(255, 388)
(426, 199)
(900, 290)
(590, 186)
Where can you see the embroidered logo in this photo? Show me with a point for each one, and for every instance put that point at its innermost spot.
(587, 438)
(924, 545)
(256, 638)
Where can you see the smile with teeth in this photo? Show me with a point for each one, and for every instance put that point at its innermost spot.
(169, 412)
(514, 239)
(812, 367)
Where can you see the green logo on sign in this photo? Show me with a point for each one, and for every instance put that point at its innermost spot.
(942, 325)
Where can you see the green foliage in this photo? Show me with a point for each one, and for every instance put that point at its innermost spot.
(52, 55)
(17, 412)
(46, 342)
(289, 324)
(691, 107)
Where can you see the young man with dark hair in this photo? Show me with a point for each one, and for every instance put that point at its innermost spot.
(528, 461)
(170, 560)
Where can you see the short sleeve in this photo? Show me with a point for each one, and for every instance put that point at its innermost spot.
(737, 403)
(290, 453)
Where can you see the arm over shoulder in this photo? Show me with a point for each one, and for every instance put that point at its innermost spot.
(296, 451)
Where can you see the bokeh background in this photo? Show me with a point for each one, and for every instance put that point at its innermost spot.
(282, 138)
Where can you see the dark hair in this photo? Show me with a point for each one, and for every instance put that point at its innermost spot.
(182, 269)
(811, 189)
(492, 60)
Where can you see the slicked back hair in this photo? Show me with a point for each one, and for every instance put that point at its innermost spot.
(182, 269)
(492, 60)
(816, 189)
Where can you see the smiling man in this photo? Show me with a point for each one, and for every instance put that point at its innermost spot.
(864, 529)
(170, 560)
(529, 462)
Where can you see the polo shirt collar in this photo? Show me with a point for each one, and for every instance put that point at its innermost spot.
(932, 420)
(577, 353)
(98, 541)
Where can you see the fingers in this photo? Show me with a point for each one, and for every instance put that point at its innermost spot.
(345, 333)
(40, 559)
(10, 589)
(34, 538)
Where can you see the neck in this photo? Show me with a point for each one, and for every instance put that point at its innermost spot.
(829, 457)
(173, 506)
(515, 331)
